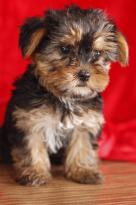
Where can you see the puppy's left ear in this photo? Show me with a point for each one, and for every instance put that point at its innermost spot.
(123, 49)
(31, 34)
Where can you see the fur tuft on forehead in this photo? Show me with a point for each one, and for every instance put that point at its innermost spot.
(75, 20)
(89, 26)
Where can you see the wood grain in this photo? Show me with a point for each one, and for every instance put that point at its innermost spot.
(119, 188)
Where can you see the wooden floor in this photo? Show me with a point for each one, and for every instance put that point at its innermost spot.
(119, 188)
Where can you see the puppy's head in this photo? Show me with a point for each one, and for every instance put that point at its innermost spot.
(72, 50)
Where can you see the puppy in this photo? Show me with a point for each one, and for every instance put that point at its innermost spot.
(56, 103)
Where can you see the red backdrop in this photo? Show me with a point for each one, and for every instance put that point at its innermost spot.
(119, 134)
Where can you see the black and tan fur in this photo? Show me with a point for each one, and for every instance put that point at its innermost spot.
(56, 103)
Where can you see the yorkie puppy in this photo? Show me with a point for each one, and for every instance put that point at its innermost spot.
(56, 104)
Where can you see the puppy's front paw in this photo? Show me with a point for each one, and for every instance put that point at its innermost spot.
(34, 178)
(85, 176)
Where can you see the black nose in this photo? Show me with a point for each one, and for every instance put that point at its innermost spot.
(84, 75)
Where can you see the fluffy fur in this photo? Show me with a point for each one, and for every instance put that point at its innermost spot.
(56, 103)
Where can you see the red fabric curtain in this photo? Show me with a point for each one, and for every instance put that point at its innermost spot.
(119, 133)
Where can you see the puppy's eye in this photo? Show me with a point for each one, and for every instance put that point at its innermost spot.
(96, 54)
(65, 49)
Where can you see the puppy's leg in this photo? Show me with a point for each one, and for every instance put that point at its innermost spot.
(81, 161)
(30, 155)
(31, 162)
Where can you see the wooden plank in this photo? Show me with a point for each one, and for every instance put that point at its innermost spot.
(119, 188)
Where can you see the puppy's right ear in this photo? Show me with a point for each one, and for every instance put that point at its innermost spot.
(31, 34)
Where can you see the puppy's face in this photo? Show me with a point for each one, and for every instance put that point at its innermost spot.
(73, 50)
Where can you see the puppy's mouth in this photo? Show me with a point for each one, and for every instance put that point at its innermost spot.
(83, 84)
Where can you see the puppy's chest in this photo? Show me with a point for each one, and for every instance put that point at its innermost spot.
(58, 130)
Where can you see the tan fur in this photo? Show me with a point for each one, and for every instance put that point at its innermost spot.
(32, 164)
(100, 41)
(81, 161)
(42, 124)
(52, 80)
(34, 41)
(74, 36)
(31, 169)
(123, 49)
(37, 123)
(99, 79)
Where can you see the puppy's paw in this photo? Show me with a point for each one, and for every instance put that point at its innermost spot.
(34, 178)
(85, 176)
